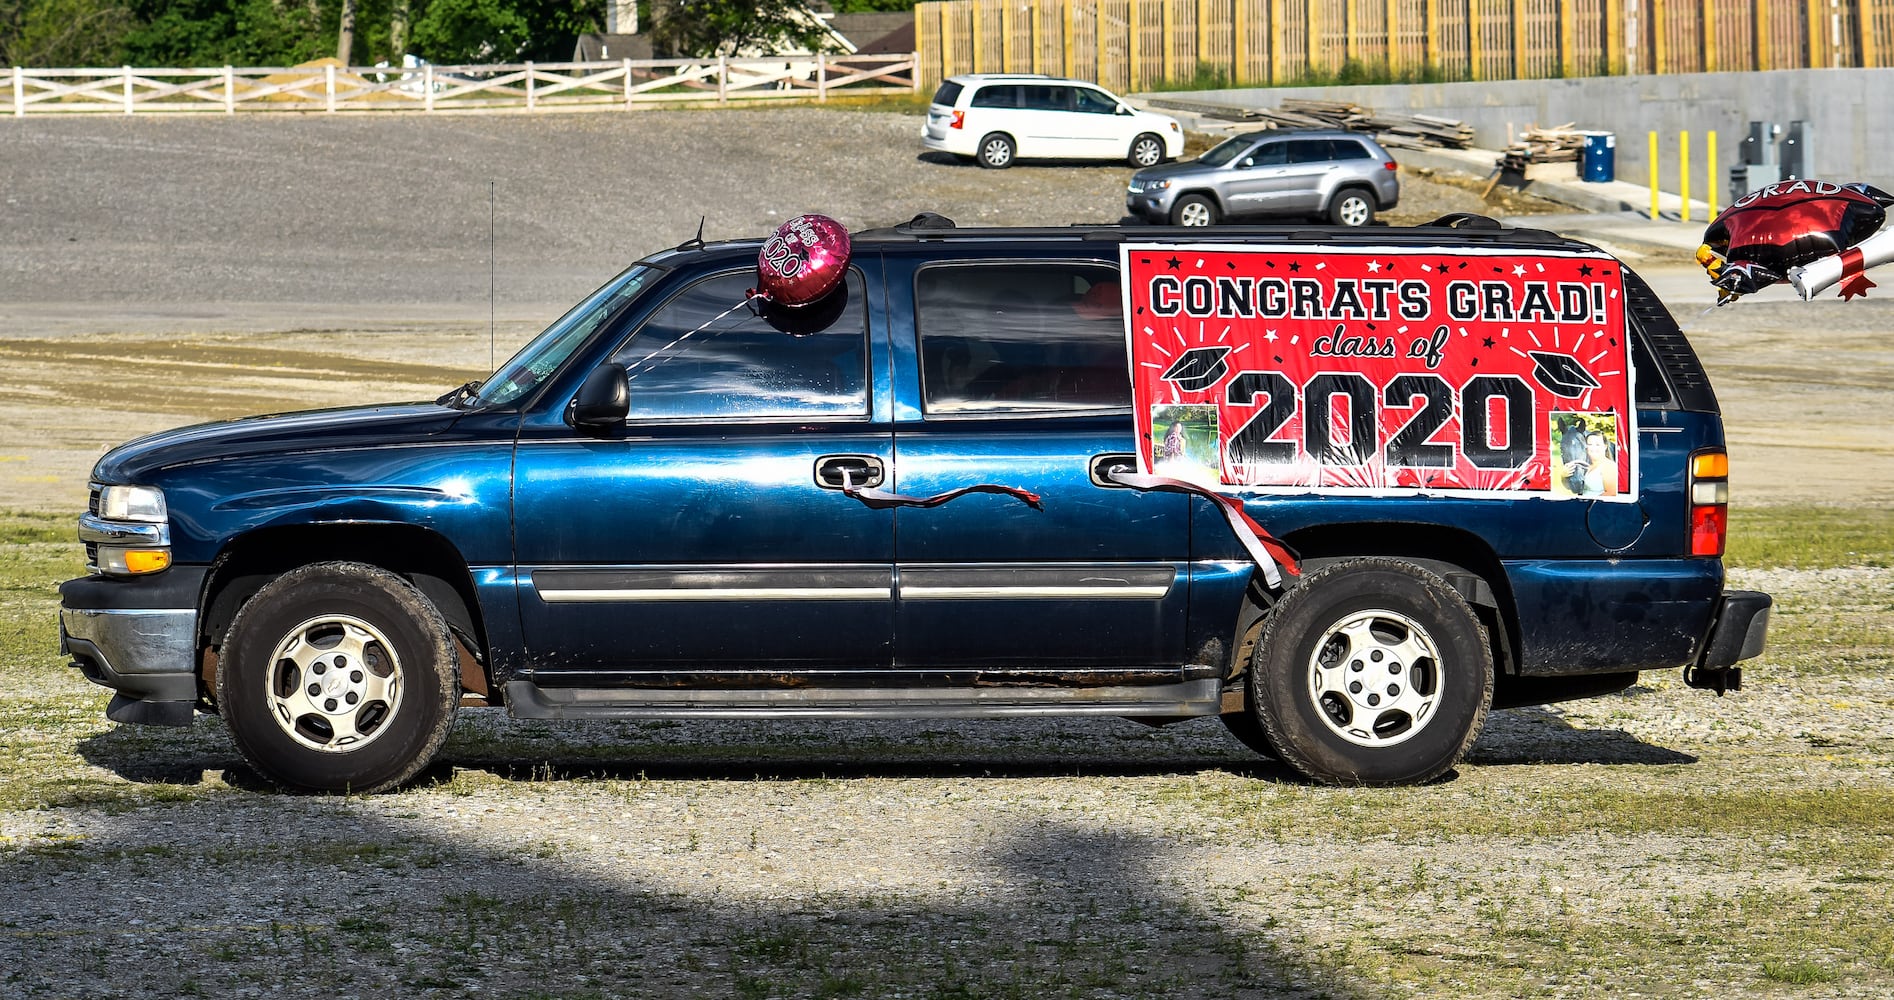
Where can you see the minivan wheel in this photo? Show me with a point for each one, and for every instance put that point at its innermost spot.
(1147, 150)
(1351, 207)
(338, 677)
(996, 151)
(1194, 210)
(1372, 671)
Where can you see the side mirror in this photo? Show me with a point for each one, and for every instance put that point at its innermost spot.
(1248, 162)
(603, 401)
(1124, 109)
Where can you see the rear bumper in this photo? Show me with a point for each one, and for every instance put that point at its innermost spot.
(1740, 631)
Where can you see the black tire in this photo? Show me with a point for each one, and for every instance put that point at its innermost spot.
(381, 660)
(1147, 150)
(996, 151)
(1331, 692)
(1194, 210)
(1351, 207)
(1249, 732)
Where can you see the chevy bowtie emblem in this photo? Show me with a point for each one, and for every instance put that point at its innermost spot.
(1561, 374)
(1198, 368)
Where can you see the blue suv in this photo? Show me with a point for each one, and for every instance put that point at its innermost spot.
(667, 507)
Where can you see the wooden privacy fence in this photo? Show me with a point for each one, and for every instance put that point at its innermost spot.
(529, 86)
(1135, 44)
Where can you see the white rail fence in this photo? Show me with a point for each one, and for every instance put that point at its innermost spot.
(624, 83)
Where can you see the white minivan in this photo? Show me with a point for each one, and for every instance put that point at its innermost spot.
(998, 118)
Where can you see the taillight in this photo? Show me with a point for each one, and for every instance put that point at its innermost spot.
(1391, 165)
(960, 120)
(1709, 501)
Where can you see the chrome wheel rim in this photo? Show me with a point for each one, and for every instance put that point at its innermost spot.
(1146, 153)
(1194, 214)
(334, 684)
(996, 153)
(1354, 211)
(1374, 678)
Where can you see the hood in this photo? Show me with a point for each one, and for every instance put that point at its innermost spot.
(308, 430)
(1166, 171)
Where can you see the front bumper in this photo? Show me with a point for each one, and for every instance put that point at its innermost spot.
(139, 638)
(1153, 205)
(1740, 630)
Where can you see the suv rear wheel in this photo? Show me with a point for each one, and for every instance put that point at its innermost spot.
(996, 151)
(338, 677)
(1351, 207)
(1373, 672)
(1147, 150)
(1194, 210)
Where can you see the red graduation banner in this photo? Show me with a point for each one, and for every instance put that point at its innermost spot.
(1379, 371)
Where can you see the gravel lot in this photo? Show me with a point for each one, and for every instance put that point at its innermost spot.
(1664, 842)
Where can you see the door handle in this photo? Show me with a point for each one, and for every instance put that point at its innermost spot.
(832, 472)
(1104, 466)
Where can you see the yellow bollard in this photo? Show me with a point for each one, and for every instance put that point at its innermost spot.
(1683, 176)
(1710, 172)
(1653, 176)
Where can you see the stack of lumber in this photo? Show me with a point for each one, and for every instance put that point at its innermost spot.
(1542, 145)
(1409, 131)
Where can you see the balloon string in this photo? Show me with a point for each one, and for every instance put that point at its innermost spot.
(632, 372)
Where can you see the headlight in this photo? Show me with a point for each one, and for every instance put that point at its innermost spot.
(1156, 185)
(132, 503)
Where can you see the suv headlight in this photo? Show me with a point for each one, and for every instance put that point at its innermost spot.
(144, 504)
(1156, 185)
(126, 531)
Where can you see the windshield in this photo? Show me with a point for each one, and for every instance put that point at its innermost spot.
(1226, 151)
(525, 370)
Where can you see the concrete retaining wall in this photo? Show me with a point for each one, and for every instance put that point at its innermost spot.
(1850, 110)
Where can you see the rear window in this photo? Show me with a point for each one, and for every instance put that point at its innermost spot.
(1021, 335)
(948, 93)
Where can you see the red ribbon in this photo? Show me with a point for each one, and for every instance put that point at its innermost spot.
(1853, 282)
(879, 499)
(1268, 552)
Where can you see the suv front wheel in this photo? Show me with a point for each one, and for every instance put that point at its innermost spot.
(1371, 672)
(1351, 207)
(996, 151)
(1194, 210)
(338, 677)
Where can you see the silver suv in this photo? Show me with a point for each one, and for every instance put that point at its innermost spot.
(1344, 176)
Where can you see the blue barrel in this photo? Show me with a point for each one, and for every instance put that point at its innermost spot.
(1598, 160)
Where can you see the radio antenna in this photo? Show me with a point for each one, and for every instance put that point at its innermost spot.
(493, 270)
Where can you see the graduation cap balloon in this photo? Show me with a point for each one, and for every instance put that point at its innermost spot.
(1766, 233)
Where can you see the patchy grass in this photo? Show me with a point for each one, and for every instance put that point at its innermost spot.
(1804, 537)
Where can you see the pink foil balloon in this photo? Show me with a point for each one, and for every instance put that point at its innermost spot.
(803, 260)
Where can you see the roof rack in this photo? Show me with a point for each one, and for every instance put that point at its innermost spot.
(1464, 227)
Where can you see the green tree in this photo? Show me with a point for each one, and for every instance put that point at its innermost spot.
(726, 27)
(61, 33)
(477, 31)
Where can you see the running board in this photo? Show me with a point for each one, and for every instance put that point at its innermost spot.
(526, 700)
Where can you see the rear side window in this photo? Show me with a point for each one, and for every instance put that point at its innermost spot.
(706, 353)
(1039, 98)
(1348, 149)
(1021, 336)
(996, 97)
(1309, 151)
(948, 93)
